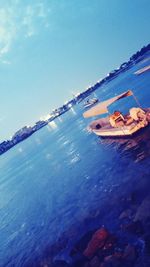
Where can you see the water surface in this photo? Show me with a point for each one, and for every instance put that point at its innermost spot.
(62, 181)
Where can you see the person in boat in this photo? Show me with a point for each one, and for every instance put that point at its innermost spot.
(116, 119)
(137, 114)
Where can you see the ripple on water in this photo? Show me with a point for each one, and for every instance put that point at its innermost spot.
(64, 181)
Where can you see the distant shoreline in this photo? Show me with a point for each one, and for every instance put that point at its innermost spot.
(27, 131)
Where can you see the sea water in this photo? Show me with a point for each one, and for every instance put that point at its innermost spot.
(64, 181)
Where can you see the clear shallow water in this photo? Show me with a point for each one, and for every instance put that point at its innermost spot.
(62, 181)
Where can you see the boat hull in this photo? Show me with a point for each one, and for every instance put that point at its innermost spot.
(120, 131)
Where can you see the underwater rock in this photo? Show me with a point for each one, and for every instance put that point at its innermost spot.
(125, 214)
(130, 254)
(81, 245)
(135, 228)
(120, 259)
(111, 261)
(98, 241)
(95, 262)
(110, 242)
(143, 211)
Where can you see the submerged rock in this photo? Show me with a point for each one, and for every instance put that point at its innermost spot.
(143, 212)
(110, 242)
(111, 261)
(97, 242)
(130, 254)
(135, 228)
(81, 245)
(125, 214)
(95, 262)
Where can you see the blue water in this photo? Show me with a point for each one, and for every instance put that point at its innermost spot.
(62, 181)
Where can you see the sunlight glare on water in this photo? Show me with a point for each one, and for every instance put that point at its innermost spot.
(56, 185)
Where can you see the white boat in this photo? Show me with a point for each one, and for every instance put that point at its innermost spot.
(117, 124)
(142, 70)
(90, 102)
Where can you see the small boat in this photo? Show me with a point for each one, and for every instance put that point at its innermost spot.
(117, 124)
(142, 70)
(90, 102)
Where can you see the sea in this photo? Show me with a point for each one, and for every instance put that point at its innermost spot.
(64, 181)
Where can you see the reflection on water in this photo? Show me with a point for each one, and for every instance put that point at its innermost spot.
(52, 125)
(137, 146)
(73, 111)
(57, 185)
(60, 119)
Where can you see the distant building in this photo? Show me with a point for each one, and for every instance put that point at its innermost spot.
(38, 125)
(4, 146)
(22, 134)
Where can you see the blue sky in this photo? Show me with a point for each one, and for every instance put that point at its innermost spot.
(51, 48)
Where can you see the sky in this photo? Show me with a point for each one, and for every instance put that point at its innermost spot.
(50, 49)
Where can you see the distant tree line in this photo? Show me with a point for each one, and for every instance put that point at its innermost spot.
(143, 50)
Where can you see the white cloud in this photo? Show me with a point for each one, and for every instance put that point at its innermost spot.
(18, 20)
(7, 30)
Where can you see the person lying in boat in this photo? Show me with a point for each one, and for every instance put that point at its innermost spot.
(116, 119)
(137, 114)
